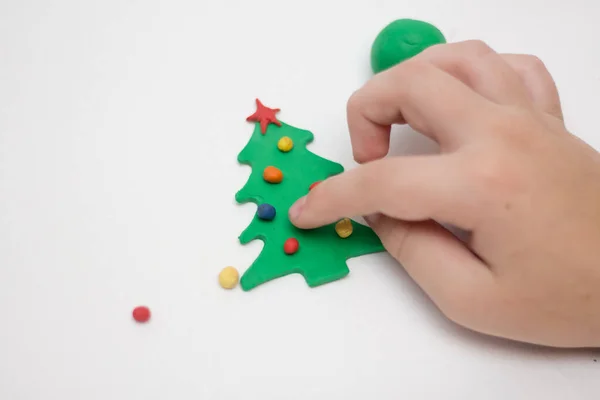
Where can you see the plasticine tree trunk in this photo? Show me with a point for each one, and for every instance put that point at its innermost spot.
(283, 170)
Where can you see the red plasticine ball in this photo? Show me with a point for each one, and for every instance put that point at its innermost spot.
(291, 246)
(141, 314)
(311, 187)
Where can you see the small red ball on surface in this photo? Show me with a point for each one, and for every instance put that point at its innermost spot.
(311, 187)
(291, 246)
(141, 314)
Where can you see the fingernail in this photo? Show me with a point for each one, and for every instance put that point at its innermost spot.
(297, 208)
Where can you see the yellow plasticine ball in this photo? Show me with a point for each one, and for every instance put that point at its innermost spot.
(229, 277)
(285, 144)
(344, 228)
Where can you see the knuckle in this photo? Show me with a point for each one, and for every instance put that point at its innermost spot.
(411, 67)
(515, 127)
(491, 174)
(499, 176)
(409, 73)
(478, 47)
(431, 51)
(354, 102)
(534, 64)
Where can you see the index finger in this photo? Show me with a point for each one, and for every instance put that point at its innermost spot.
(414, 188)
(416, 92)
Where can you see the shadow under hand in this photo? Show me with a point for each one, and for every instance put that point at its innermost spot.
(408, 291)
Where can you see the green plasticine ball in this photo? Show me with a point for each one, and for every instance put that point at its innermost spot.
(401, 40)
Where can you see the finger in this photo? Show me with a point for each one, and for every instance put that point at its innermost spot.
(408, 188)
(481, 68)
(455, 279)
(430, 100)
(540, 85)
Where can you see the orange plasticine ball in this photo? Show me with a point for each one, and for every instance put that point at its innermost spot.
(272, 175)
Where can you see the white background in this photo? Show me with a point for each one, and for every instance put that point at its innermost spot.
(120, 123)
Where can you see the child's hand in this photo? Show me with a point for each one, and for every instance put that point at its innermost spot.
(508, 172)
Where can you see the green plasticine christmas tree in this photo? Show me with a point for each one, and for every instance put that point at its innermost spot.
(321, 255)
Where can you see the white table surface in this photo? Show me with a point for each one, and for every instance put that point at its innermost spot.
(120, 123)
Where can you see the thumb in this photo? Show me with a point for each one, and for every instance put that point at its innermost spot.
(413, 188)
(452, 276)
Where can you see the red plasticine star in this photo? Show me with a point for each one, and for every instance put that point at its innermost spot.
(265, 116)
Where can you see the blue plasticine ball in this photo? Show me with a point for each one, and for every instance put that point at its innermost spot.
(266, 211)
